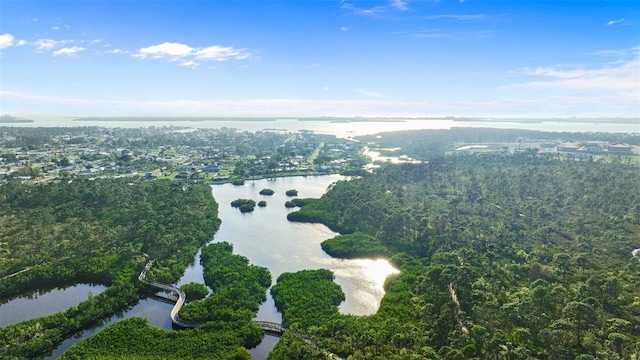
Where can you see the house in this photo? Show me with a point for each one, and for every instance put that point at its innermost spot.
(618, 148)
(568, 147)
(211, 168)
(592, 147)
(91, 171)
(152, 174)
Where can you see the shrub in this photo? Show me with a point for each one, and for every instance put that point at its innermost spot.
(244, 205)
(245, 208)
(195, 291)
(266, 192)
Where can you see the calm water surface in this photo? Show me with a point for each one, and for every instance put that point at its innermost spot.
(45, 302)
(268, 239)
(156, 312)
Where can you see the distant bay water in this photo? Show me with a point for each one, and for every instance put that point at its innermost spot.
(345, 127)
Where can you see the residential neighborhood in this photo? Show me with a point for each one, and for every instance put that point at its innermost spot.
(219, 155)
(211, 155)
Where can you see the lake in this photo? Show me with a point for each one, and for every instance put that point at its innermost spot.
(267, 239)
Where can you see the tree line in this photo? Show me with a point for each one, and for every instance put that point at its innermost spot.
(226, 316)
(101, 232)
(501, 256)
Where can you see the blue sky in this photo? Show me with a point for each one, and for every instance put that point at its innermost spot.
(320, 58)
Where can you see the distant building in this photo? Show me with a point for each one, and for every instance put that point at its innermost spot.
(568, 147)
(91, 171)
(618, 148)
(592, 147)
(211, 168)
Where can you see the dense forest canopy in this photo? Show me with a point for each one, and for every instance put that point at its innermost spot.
(502, 256)
(238, 288)
(226, 314)
(99, 231)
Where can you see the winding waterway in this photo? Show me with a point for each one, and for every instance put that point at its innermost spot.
(44, 302)
(267, 239)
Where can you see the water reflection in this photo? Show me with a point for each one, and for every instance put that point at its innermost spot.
(268, 239)
(45, 302)
(156, 312)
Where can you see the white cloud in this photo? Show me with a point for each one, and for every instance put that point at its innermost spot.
(221, 53)
(190, 64)
(613, 22)
(344, 28)
(71, 51)
(45, 44)
(114, 51)
(165, 50)
(369, 93)
(6, 40)
(357, 10)
(60, 26)
(433, 34)
(623, 75)
(21, 42)
(400, 5)
(615, 53)
(189, 55)
(614, 85)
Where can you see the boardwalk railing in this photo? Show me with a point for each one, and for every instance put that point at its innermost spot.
(267, 326)
(271, 327)
(182, 297)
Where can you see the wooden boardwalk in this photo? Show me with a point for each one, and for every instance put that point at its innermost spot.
(269, 327)
(182, 297)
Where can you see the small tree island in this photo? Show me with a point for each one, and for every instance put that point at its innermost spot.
(266, 192)
(244, 205)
